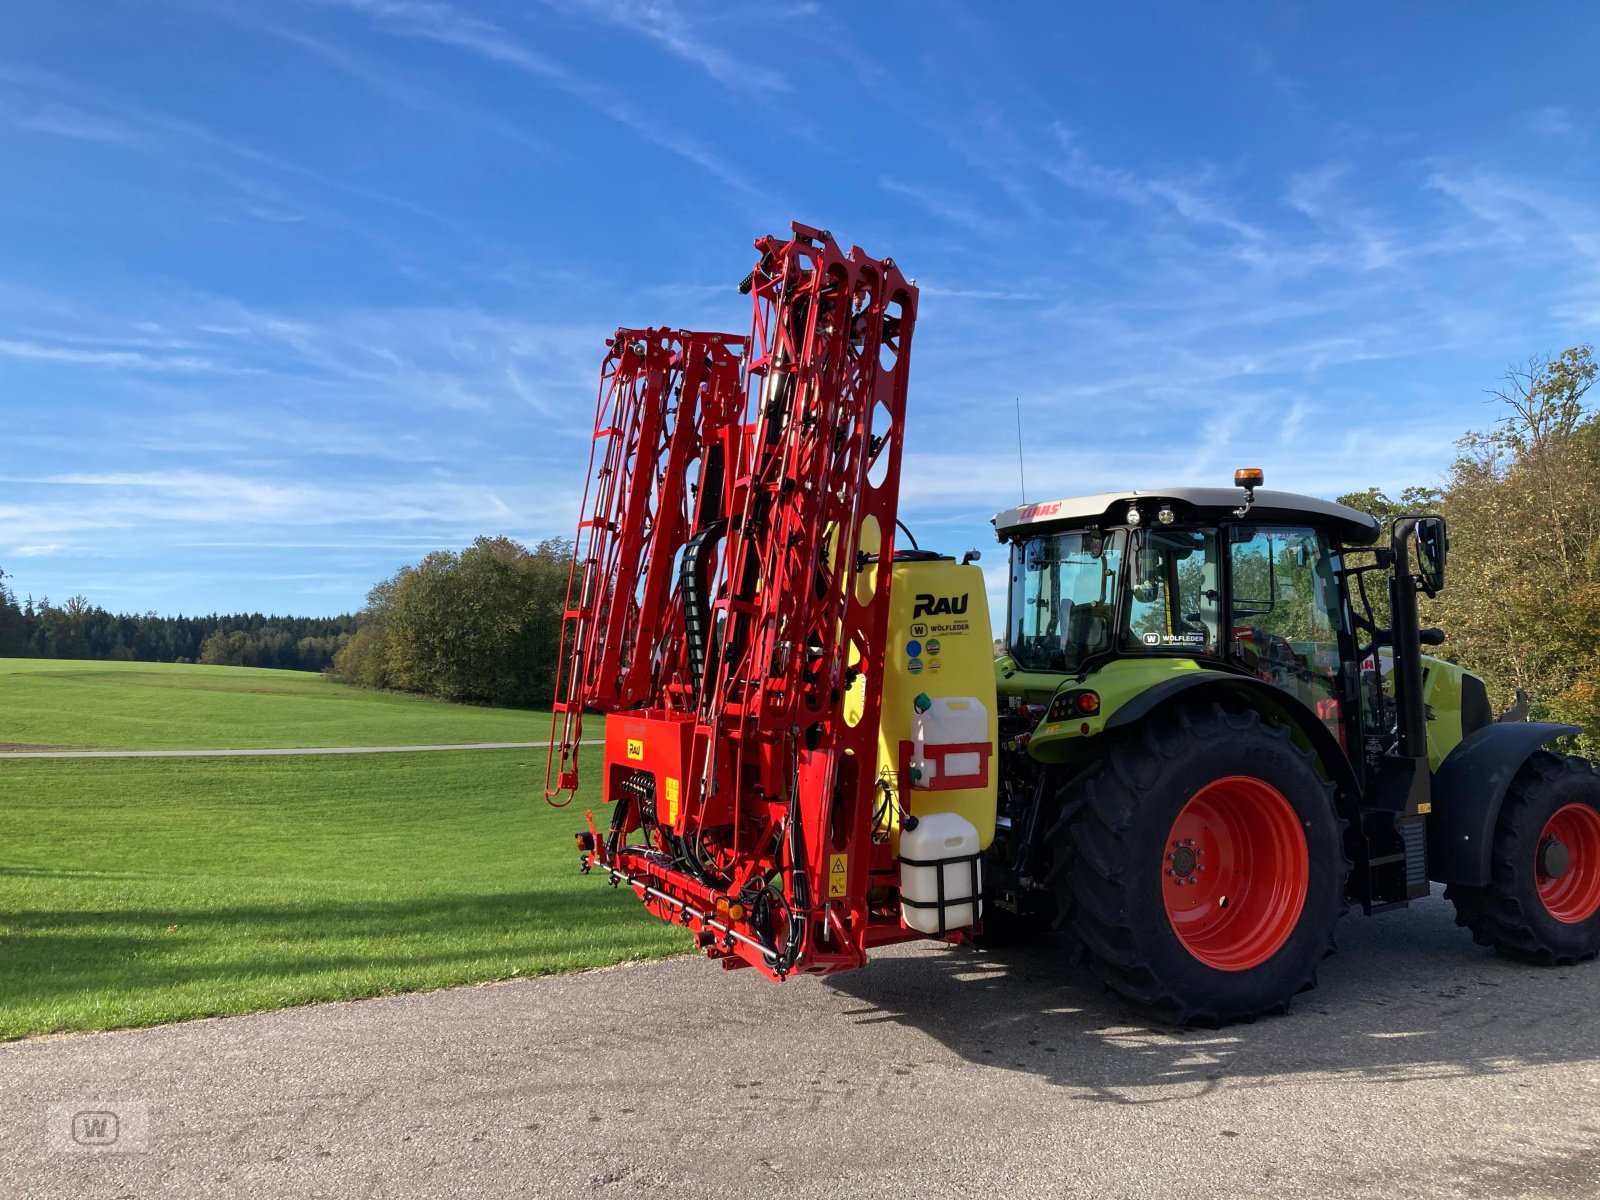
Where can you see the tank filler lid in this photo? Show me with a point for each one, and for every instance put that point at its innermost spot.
(1197, 504)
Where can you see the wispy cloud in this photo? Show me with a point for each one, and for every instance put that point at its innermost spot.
(947, 208)
(688, 34)
(447, 26)
(1552, 121)
(62, 120)
(116, 118)
(196, 499)
(392, 84)
(1522, 213)
(121, 359)
(1074, 166)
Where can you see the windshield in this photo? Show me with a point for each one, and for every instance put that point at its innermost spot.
(1063, 598)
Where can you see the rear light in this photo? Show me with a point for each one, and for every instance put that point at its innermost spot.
(1068, 705)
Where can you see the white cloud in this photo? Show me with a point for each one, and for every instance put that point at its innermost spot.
(686, 34)
(445, 25)
(1552, 121)
(62, 120)
(125, 359)
(946, 207)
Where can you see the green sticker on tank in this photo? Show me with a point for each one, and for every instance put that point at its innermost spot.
(932, 647)
(915, 666)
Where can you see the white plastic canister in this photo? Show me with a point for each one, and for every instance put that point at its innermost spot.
(943, 847)
(951, 743)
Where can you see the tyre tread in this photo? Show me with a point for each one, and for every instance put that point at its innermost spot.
(1494, 915)
(1094, 837)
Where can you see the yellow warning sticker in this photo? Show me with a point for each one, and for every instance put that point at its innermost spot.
(636, 749)
(838, 875)
(672, 800)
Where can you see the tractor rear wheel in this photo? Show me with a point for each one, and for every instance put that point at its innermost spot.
(1542, 904)
(1207, 866)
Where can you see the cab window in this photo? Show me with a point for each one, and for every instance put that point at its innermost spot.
(1287, 614)
(1173, 592)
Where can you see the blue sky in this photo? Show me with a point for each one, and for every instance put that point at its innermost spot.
(292, 293)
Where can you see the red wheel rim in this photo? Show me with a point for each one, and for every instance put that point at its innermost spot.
(1567, 863)
(1235, 872)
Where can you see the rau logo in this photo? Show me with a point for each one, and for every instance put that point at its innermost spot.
(929, 605)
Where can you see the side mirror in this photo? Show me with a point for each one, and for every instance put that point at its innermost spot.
(1433, 543)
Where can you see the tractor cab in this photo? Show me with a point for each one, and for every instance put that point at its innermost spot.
(1137, 585)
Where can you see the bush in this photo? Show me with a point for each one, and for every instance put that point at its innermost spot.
(482, 625)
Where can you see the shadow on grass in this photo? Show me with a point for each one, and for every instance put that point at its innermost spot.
(52, 873)
(1408, 998)
(265, 955)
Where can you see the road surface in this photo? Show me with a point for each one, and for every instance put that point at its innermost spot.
(1422, 1067)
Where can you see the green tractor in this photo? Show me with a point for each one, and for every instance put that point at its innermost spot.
(1211, 746)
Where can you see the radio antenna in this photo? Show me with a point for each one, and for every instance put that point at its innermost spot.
(1022, 477)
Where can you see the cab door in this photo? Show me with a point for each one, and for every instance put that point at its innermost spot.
(1289, 622)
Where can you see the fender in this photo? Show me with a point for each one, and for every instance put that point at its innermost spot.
(1264, 698)
(1468, 789)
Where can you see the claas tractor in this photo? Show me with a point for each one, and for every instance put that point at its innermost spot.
(1202, 742)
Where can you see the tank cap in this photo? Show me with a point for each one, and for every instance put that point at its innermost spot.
(922, 704)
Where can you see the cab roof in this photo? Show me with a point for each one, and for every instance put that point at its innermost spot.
(1191, 505)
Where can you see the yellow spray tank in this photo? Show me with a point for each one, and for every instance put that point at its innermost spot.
(939, 723)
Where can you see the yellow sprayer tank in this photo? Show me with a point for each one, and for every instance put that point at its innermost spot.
(939, 693)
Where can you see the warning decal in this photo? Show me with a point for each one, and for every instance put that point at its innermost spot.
(838, 876)
(672, 800)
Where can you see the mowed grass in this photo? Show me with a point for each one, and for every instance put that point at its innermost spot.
(137, 891)
(164, 706)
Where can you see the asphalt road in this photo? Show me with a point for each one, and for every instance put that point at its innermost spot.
(1422, 1067)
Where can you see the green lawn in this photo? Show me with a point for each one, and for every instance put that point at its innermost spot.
(159, 706)
(135, 891)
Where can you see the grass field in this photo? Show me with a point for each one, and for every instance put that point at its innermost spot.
(135, 891)
(160, 706)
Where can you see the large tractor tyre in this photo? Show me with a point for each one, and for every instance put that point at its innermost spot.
(1207, 866)
(1542, 904)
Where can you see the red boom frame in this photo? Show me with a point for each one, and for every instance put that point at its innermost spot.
(728, 608)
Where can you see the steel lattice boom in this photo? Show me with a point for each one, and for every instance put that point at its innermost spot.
(728, 608)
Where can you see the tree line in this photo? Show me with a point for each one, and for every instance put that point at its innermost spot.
(1521, 603)
(79, 629)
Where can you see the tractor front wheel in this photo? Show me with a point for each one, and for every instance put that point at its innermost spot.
(1208, 866)
(1542, 904)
